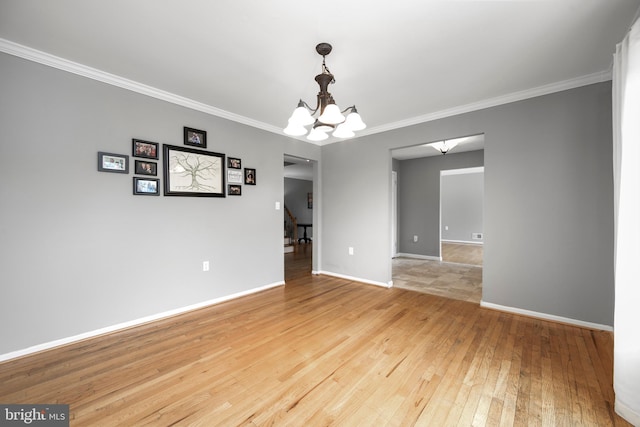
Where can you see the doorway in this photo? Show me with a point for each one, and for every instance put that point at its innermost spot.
(461, 215)
(423, 241)
(300, 217)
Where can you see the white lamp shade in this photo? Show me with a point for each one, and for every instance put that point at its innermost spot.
(444, 146)
(301, 117)
(354, 122)
(343, 131)
(295, 130)
(316, 135)
(323, 127)
(331, 115)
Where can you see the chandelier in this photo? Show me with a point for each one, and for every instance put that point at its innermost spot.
(330, 117)
(444, 146)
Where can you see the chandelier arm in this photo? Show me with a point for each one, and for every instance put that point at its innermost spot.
(311, 110)
(352, 108)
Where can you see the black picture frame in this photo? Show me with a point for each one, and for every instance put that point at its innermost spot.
(234, 163)
(193, 173)
(145, 149)
(195, 137)
(234, 190)
(146, 186)
(234, 176)
(114, 163)
(145, 168)
(249, 176)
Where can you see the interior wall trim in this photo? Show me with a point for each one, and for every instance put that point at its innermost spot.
(137, 322)
(626, 412)
(589, 79)
(47, 59)
(464, 242)
(545, 316)
(50, 60)
(356, 279)
(418, 256)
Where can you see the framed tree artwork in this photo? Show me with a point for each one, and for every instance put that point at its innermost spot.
(191, 172)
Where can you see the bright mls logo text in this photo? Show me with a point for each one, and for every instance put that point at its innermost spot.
(38, 415)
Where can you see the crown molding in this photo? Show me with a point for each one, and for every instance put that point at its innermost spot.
(47, 59)
(493, 102)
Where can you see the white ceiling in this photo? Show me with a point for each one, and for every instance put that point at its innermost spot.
(400, 62)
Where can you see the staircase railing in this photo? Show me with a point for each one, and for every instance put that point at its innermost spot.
(291, 227)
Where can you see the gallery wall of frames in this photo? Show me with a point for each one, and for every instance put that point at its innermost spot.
(187, 170)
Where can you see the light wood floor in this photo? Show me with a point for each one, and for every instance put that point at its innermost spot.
(326, 351)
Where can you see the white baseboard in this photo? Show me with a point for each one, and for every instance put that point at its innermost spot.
(417, 256)
(129, 324)
(357, 279)
(465, 242)
(627, 413)
(545, 316)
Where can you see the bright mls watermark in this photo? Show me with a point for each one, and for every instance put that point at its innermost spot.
(34, 415)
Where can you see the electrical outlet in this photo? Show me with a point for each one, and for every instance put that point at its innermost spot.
(350, 251)
(415, 239)
(205, 265)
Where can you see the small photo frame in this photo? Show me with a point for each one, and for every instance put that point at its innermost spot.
(195, 137)
(234, 176)
(146, 149)
(234, 190)
(249, 176)
(110, 162)
(234, 163)
(146, 186)
(146, 168)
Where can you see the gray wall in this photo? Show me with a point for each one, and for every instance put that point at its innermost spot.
(461, 206)
(79, 252)
(295, 198)
(419, 199)
(548, 201)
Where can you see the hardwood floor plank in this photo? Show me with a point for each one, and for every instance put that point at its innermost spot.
(328, 351)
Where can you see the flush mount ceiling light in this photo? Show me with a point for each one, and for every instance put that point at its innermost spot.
(330, 117)
(444, 146)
